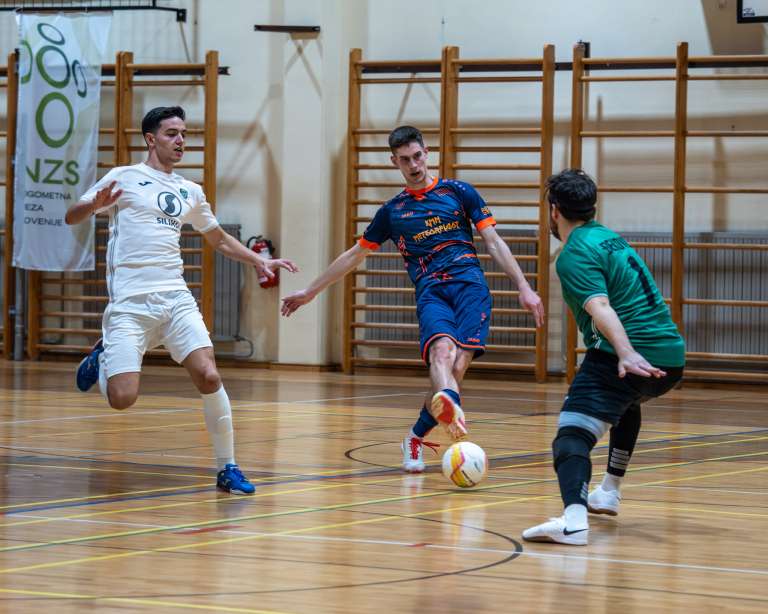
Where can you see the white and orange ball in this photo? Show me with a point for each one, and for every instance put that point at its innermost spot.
(465, 464)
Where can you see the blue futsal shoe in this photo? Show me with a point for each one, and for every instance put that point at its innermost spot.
(88, 369)
(231, 480)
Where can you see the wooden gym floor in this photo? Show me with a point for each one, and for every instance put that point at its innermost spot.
(116, 511)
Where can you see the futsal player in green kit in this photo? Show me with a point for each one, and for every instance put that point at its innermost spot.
(634, 353)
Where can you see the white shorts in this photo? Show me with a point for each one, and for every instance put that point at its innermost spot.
(136, 324)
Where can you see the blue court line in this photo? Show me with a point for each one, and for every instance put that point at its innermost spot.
(382, 471)
(190, 491)
(84, 503)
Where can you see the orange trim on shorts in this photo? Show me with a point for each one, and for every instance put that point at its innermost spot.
(489, 221)
(466, 346)
(363, 242)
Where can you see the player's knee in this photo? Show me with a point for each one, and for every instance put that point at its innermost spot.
(572, 441)
(120, 397)
(209, 380)
(442, 351)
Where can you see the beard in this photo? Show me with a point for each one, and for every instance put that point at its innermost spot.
(553, 227)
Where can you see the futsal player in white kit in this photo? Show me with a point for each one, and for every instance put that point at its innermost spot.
(149, 302)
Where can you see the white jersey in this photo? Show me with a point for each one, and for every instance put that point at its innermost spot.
(143, 253)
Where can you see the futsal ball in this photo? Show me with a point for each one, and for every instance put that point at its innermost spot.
(465, 464)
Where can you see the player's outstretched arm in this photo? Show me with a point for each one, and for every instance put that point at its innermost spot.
(346, 262)
(226, 244)
(499, 251)
(84, 209)
(610, 325)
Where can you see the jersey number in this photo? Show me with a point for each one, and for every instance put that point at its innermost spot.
(649, 294)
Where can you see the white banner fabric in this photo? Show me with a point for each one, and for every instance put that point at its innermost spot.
(56, 137)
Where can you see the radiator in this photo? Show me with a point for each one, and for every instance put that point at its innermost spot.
(716, 274)
(409, 317)
(712, 274)
(228, 279)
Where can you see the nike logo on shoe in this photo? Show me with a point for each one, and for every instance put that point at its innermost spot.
(567, 532)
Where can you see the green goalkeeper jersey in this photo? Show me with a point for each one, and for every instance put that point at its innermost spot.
(598, 262)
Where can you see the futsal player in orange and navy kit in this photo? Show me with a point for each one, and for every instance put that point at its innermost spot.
(430, 222)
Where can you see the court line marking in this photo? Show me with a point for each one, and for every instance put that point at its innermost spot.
(266, 480)
(206, 523)
(200, 502)
(305, 476)
(478, 493)
(90, 468)
(386, 542)
(681, 437)
(135, 600)
(717, 490)
(118, 494)
(602, 559)
(112, 413)
(247, 407)
(229, 520)
(122, 555)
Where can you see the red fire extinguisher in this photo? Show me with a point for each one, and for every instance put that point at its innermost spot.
(265, 249)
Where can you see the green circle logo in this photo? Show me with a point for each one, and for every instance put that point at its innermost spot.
(25, 77)
(40, 61)
(59, 40)
(40, 120)
(77, 68)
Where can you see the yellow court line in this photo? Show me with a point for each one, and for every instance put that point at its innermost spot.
(365, 502)
(130, 429)
(346, 484)
(164, 506)
(309, 529)
(173, 425)
(685, 446)
(696, 509)
(117, 494)
(262, 495)
(267, 480)
(698, 461)
(105, 470)
(276, 478)
(138, 601)
(231, 540)
(229, 520)
(706, 475)
(703, 444)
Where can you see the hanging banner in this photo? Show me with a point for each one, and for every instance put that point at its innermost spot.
(56, 137)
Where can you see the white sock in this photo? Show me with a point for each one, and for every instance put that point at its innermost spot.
(611, 482)
(103, 377)
(576, 516)
(218, 421)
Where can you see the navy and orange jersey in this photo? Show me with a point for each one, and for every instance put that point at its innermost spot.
(432, 228)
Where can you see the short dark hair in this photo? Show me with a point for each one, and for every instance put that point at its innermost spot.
(574, 193)
(152, 119)
(403, 135)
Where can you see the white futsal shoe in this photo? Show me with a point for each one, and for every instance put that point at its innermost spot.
(601, 501)
(413, 453)
(555, 531)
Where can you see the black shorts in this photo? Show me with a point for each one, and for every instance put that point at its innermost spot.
(598, 391)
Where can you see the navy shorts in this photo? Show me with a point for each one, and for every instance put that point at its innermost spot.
(598, 391)
(459, 309)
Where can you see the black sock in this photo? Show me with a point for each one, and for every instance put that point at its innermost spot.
(571, 449)
(622, 442)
